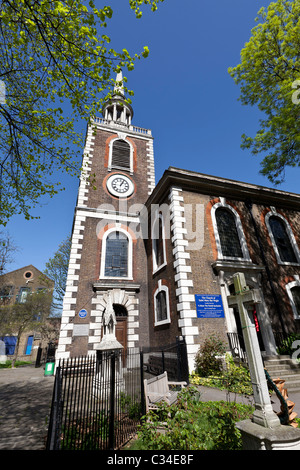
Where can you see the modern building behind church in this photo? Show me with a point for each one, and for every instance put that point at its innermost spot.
(166, 253)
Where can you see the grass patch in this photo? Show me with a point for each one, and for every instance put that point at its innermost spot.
(7, 364)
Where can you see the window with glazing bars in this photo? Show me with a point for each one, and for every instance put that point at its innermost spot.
(282, 240)
(116, 256)
(120, 155)
(228, 234)
(296, 298)
(161, 306)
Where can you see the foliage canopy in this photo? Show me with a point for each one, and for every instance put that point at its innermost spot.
(269, 77)
(51, 52)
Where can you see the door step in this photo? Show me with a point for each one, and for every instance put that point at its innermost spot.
(285, 368)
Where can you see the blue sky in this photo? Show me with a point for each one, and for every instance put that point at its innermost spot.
(183, 92)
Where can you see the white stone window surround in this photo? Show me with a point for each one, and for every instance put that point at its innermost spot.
(121, 136)
(155, 267)
(289, 286)
(162, 287)
(239, 228)
(290, 234)
(103, 253)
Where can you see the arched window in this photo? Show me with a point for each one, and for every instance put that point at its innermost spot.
(228, 234)
(121, 155)
(116, 255)
(296, 298)
(161, 305)
(282, 240)
(158, 243)
(293, 291)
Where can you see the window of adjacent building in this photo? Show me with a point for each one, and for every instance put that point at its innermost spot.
(6, 293)
(29, 345)
(121, 155)
(228, 234)
(158, 244)
(161, 306)
(282, 240)
(10, 344)
(23, 294)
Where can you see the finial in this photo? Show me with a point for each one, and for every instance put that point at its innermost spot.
(119, 88)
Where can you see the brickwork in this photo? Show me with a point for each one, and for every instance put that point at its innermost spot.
(195, 262)
(30, 278)
(98, 211)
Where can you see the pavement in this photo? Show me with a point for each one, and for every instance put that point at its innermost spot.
(25, 403)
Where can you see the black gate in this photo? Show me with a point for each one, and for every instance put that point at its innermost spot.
(98, 401)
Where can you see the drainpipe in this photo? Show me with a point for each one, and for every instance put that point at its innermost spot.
(249, 204)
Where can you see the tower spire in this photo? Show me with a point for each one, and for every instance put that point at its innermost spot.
(116, 110)
(119, 86)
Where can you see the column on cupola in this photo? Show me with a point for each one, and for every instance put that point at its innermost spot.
(110, 108)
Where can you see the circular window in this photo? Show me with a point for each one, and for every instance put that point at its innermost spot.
(28, 274)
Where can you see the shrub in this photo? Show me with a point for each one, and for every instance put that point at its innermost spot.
(286, 346)
(193, 425)
(235, 378)
(207, 360)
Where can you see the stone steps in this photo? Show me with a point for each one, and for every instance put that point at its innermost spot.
(284, 368)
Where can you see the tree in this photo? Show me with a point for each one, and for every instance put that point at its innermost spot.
(57, 270)
(51, 52)
(7, 250)
(28, 316)
(268, 76)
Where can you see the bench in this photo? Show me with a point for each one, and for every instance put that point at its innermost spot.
(157, 389)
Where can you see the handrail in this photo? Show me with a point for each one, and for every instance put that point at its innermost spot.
(284, 417)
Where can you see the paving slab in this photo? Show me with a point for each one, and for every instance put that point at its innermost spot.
(25, 403)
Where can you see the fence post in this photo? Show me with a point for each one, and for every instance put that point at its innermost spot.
(143, 408)
(38, 357)
(53, 436)
(111, 434)
(182, 361)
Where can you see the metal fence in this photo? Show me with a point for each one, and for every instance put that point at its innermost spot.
(98, 401)
(171, 358)
(237, 347)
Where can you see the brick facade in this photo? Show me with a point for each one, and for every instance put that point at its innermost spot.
(30, 278)
(97, 213)
(159, 300)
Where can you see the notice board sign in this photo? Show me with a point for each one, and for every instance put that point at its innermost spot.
(209, 306)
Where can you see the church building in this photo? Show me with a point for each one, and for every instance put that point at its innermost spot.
(164, 255)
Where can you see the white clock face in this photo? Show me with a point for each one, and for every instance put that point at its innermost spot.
(120, 185)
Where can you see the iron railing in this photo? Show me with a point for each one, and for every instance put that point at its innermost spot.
(171, 358)
(98, 401)
(237, 348)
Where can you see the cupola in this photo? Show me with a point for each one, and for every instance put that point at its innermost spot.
(116, 109)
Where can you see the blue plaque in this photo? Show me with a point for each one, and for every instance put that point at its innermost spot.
(209, 306)
(82, 313)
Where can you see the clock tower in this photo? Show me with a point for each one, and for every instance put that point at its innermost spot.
(108, 260)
